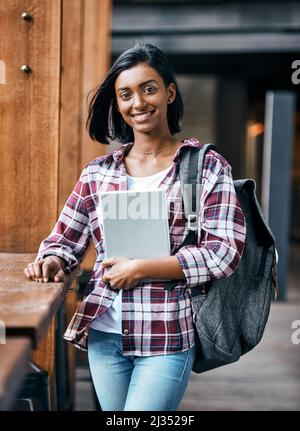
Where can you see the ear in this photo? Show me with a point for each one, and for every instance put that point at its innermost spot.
(171, 92)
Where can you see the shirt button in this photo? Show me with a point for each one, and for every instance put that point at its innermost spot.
(126, 331)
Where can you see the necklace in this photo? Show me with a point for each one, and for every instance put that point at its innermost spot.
(151, 152)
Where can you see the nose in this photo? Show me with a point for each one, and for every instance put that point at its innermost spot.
(138, 101)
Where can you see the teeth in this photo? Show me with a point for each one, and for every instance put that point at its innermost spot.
(146, 114)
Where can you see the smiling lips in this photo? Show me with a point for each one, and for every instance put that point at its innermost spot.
(142, 116)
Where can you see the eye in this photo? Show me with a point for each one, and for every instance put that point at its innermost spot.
(149, 89)
(124, 95)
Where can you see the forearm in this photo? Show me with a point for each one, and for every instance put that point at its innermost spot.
(167, 267)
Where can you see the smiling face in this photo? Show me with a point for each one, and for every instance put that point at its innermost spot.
(142, 99)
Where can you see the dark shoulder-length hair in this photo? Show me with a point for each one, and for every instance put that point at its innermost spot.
(104, 122)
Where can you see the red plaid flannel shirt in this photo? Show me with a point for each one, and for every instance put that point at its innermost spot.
(155, 321)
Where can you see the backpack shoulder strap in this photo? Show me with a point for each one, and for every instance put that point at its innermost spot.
(190, 174)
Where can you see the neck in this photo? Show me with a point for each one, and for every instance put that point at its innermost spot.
(153, 145)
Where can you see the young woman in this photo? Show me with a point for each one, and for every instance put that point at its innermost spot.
(139, 336)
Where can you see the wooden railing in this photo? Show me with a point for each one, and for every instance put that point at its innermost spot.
(32, 311)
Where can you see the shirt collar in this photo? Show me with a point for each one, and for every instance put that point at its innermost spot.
(120, 152)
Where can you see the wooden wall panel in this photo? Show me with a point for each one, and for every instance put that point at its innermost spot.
(71, 95)
(85, 60)
(96, 61)
(29, 126)
(86, 53)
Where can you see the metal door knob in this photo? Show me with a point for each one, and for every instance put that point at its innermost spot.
(26, 69)
(26, 16)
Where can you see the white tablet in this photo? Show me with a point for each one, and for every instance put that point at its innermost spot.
(135, 223)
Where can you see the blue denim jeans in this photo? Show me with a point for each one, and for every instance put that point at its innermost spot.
(136, 383)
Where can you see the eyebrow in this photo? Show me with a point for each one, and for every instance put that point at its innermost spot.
(143, 83)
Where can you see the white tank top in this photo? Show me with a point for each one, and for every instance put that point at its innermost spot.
(111, 320)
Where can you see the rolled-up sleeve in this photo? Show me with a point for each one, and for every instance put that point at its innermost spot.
(222, 234)
(71, 234)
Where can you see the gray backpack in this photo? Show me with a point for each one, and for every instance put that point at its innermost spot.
(232, 313)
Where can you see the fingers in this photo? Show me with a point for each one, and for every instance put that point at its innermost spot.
(32, 271)
(50, 268)
(106, 278)
(113, 260)
(37, 266)
(46, 272)
(108, 262)
(27, 273)
(59, 276)
(45, 269)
